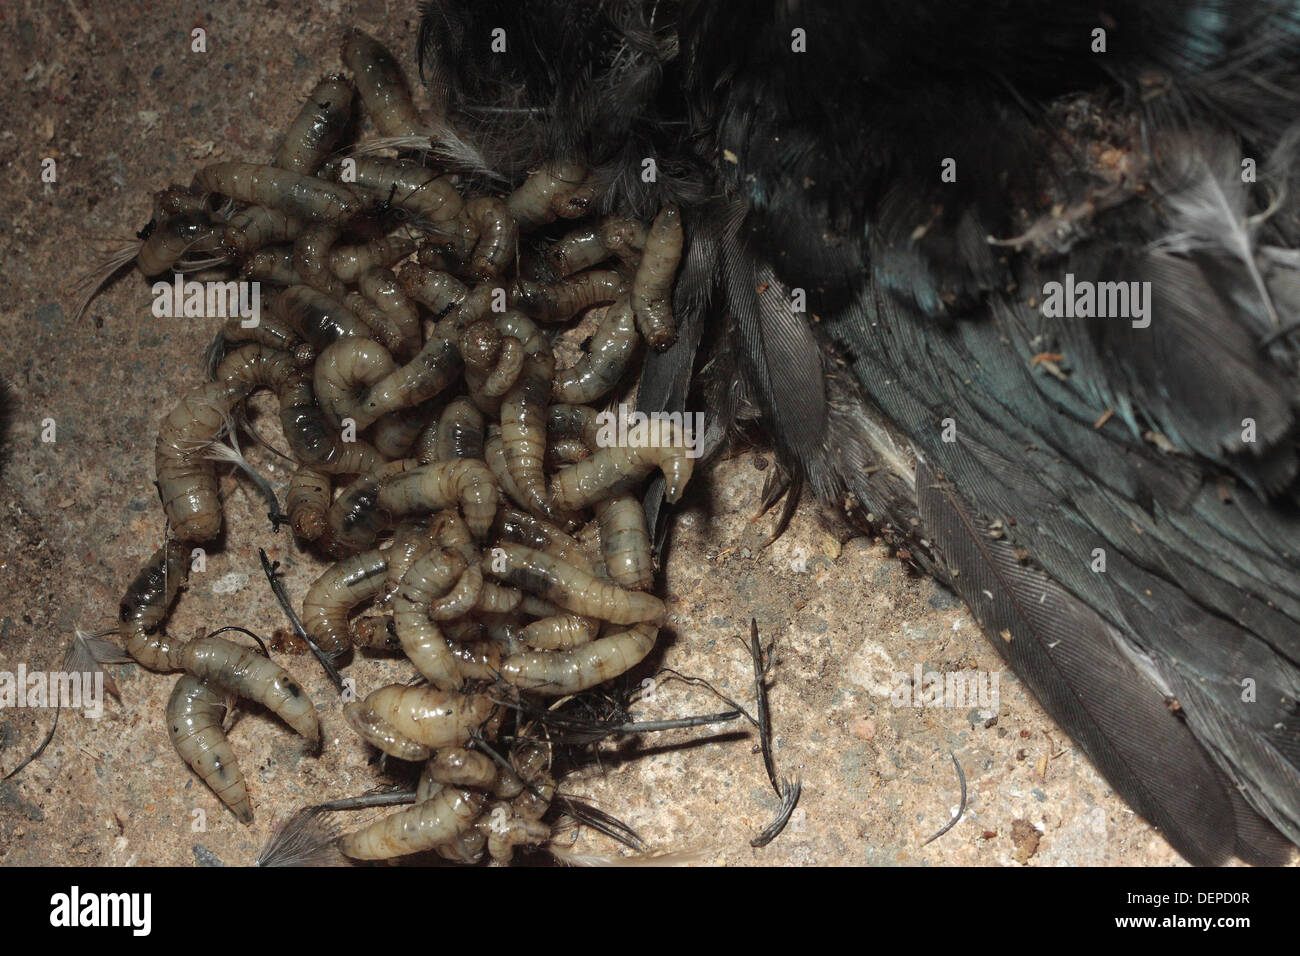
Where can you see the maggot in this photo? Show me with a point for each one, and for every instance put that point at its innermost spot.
(377, 732)
(555, 191)
(498, 235)
(382, 85)
(652, 288)
(437, 821)
(616, 469)
(570, 588)
(194, 713)
(297, 195)
(444, 484)
(416, 189)
(524, 410)
(312, 440)
(607, 358)
(144, 606)
(555, 673)
(335, 593)
(187, 479)
(430, 716)
(318, 126)
(429, 577)
(256, 227)
(350, 262)
(311, 258)
(316, 316)
(564, 299)
(344, 372)
(307, 501)
(625, 542)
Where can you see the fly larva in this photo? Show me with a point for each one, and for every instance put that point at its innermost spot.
(625, 238)
(625, 542)
(520, 527)
(194, 714)
(179, 199)
(565, 451)
(311, 258)
(145, 605)
(257, 366)
(572, 589)
(523, 413)
(459, 434)
(256, 227)
(242, 671)
(307, 501)
(652, 288)
(273, 265)
(380, 286)
(579, 250)
(458, 767)
(381, 327)
(479, 344)
(425, 826)
(344, 373)
(562, 300)
(187, 479)
(555, 673)
(461, 599)
(394, 435)
(495, 599)
(436, 290)
(411, 540)
(335, 593)
(318, 126)
(498, 237)
(412, 187)
(494, 455)
(382, 86)
(614, 470)
(171, 240)
(560, 632)
(432, 717)
(554, 191)
(377, 732)
(436, 366)
(315, 316)
(312, 441)
(350, 262)
(510, 363)
(444, 484)
(504, 835)
(269, 332)
(611, 348)
(303, 197)
(356, 517)
(429, 577)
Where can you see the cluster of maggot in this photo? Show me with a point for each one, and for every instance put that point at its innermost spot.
(442, 460)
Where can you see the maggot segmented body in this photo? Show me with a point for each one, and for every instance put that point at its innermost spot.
(435, 367)
(625, 542)
(524, 411)
(316, 316)
(567, 297)
(521, 527)
(171, 240)
(625, 238)
(430, 716)
(377, 732)
(351, 262)
(356, 517)
(274, 265)
(654, 443)
(555, 191)
(555, 673)
(409, 186)
(395, 434)
(445, 484)
(459, 434)
(424, 826)
(560, 632)
(318, 126)
(382, 85)
(307, 501)
(607, 358)
(652, 288)
(335, 593)
(497, 237)
(256, 227)
(292, 193)
(187, 477)
(144, 606)
(242, 671)
(194, 714)
(311, 258)
(579, 250)
(313, 441)
(430, 576)
(570, 588)
(458, 767)
(381, 287)
(344, 373)
(461, 599)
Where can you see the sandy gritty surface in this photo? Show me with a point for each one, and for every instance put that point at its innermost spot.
(112, 93)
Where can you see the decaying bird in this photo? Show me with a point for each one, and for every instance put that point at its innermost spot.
(1016, 285)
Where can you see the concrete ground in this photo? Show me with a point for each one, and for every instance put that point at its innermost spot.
(113, 94)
